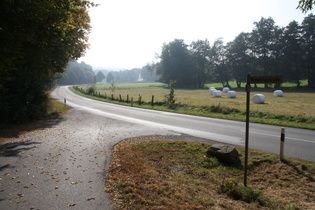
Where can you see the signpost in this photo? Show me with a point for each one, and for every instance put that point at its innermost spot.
(270, 79)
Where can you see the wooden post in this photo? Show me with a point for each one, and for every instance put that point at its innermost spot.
(112, 97)
(247, 129)
(120, 98)
(127, 98)
(282, 138)
(139, 100)
(131, 101)
(152, 101)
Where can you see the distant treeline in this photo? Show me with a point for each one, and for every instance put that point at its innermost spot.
(82, 73)
(77, 73)
(268, 49)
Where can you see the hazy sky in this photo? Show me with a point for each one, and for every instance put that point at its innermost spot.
(128, 33)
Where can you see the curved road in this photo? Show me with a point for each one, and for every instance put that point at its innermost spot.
(299, 143)
(62, 163)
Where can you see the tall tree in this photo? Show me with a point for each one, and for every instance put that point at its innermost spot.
(263, 36)
(110, 78)
(200, 62)
(175, 63)
(100, 76)
(38, 39)
(308, 26)
(292, 53)
(239, 57)
(218, 60)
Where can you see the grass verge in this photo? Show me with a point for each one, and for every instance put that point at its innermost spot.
(219, 111)
(159, 174)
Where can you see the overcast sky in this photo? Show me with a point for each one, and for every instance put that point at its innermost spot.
(127, 34)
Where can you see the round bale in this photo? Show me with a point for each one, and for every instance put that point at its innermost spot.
(278, 93)
(211, 90)
(225, 89)
(231, 94)
(259, 99)
(217, 93)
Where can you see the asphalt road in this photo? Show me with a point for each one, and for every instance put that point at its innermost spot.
(62, 164)
(299, 143)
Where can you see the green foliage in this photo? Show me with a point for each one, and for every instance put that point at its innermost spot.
(77, 73)
(267, 50)
(240, 192)
(305, 5)
(100, 76)
(210, 163)
(91, 90)
(38, 39)
(112, 86)
(170, 97)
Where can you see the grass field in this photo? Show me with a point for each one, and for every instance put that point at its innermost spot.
(294, 104)
(159, 174)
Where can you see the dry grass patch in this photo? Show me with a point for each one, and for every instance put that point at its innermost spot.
(177, 175)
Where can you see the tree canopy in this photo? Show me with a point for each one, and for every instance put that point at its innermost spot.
(37, 39)
(268, 49)
(77, 73)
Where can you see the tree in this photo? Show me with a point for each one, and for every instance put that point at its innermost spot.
(100, 76)
(38, 39)
(292, 53)
(175, 63)
(263, 37)
(110, 78)
(308, 36)
(239, 57)
(77, 73)
(218, 59)
(200, 51)
(306, 5)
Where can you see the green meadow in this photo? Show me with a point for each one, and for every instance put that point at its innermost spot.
(296, 108)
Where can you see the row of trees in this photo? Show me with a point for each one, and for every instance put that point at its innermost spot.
(38, 39)
(77, 73)
(268, 49)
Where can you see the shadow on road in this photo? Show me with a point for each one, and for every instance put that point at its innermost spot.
(14, 131)
(13, 149)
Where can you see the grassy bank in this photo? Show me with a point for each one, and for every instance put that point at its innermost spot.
(295, 109)
(178, 175)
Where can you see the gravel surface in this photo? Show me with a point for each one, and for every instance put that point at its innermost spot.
(63, 163)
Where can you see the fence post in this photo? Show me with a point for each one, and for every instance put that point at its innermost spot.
(152, 101)
(127, 98)
(282, 138)
(139, 99)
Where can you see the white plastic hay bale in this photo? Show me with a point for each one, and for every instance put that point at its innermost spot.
(225, 89)
(259, 99)
(231, 94)
(217, 93)
(278, 93)
(211, 90)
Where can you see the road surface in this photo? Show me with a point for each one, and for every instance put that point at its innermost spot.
(299, 143)
(62, 165)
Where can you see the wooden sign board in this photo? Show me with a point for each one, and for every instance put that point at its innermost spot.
(270, 79)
